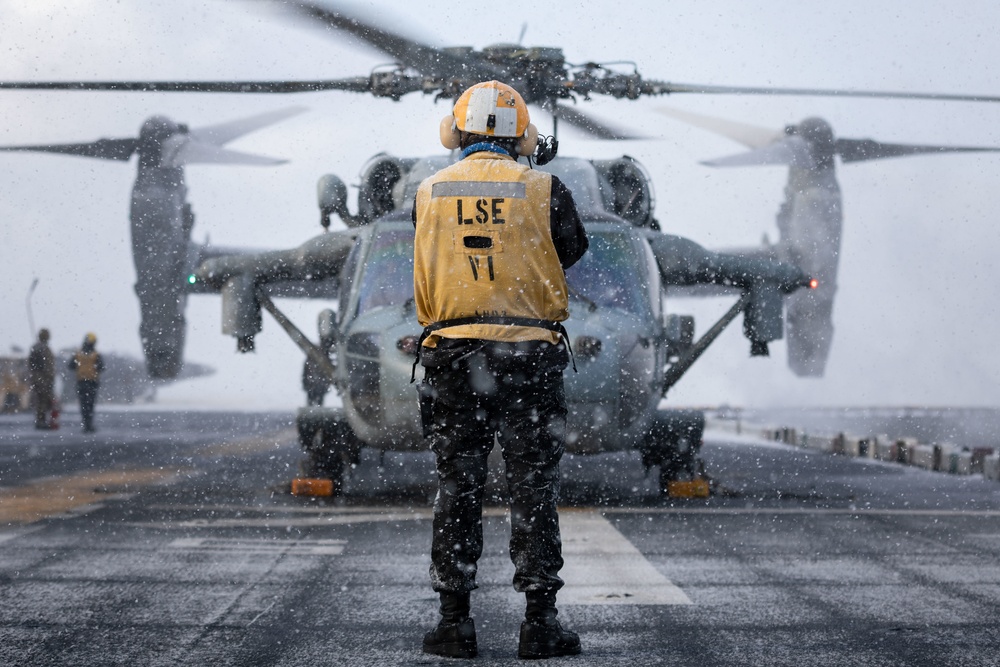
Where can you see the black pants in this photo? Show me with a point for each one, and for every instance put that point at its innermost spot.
(43, 408)
(86, 391)
(513, 392)
(315, 396)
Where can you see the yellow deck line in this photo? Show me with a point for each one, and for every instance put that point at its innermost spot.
(52, 496)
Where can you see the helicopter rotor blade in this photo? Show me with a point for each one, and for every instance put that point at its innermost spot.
(598, 129)
(223, 133)
(359, 84)
(651, 87)
(792, 151)
(182, 150)
(105, 149)
(859, 150)
(750, 136)
(421, 57)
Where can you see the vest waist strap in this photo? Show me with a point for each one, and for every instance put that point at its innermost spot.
(503, 320)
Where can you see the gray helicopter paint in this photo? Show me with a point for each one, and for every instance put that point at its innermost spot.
(810, 223)
(161, 230)
(611, 400)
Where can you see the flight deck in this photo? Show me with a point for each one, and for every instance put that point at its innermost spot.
(170, 538)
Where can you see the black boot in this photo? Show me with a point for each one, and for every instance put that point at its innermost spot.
(541, 634)
(455, 634)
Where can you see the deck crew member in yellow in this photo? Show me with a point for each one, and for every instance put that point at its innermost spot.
(493, 238)
(88, 364)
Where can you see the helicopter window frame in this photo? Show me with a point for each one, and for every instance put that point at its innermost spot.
(653, 282)
(350, 275)
(645, 302)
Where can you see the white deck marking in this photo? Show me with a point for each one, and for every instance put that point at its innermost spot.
(295, 547)
(833, 511)
(8, 535)
(603, 567)
(279, 521)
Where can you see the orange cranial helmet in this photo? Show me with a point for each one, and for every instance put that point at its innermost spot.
(491, 109)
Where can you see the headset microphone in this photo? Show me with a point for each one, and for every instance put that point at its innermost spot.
(546, 150)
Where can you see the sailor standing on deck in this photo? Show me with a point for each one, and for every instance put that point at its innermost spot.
(89, 365)
(493, 238)
(42, 378)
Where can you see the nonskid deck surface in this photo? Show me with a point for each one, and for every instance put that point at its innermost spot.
(166, 538)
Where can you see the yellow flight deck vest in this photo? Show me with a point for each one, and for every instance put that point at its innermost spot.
(86, 365)
(484, 247)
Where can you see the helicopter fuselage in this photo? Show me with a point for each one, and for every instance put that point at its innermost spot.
(615, 328)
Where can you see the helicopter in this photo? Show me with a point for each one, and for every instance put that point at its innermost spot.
(162, 219)
(810, 220)
(628, 351)
(546, 80)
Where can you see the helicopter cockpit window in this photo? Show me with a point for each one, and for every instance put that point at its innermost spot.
(580, 177)
(607, 274)
(388, 272)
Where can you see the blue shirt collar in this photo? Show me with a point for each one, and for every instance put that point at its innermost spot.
(484, 146)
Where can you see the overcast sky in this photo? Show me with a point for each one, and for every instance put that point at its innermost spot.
(916, 314)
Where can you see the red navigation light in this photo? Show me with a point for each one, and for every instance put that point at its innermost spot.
(587, 347)
(407, 345)
(813, 283)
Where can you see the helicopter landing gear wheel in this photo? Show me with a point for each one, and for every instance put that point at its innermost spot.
(323, 462)
(328, 443)
(673, 444)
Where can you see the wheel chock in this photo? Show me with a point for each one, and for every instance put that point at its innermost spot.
(689, 488)
(312, 486)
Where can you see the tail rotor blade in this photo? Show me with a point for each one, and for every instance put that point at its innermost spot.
(223, 133)
(104, 149)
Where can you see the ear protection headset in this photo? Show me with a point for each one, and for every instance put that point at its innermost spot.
(451, 138)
